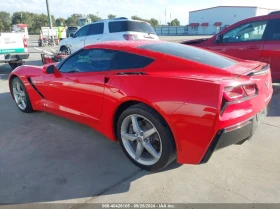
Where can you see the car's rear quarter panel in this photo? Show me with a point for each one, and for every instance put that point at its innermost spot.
(195, 121)
(190, 108)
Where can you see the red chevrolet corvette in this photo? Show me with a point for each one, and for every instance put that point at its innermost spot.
(160, 100)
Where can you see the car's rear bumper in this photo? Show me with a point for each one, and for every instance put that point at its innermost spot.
(15, 57)
(236, 134)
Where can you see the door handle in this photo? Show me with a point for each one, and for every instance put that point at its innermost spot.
(253, 47)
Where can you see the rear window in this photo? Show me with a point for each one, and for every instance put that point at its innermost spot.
(72, 28)
(191, 53)
(124, 60)
(122, 26)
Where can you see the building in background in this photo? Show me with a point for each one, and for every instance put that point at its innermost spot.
(213, 20)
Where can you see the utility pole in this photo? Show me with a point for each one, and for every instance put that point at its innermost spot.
(50, 19)
(165, 16)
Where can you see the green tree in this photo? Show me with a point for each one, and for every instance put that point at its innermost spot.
(5, 21)
(135, 17)
(111, 16)
(154, 22)
(2, 28)
(93, 17)
(39, 20)
(60, 21)
(53, 21)
(23, 17)
(73, 19)
(174, 22)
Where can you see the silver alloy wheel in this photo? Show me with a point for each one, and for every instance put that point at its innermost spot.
(19, 95)
(141, 139)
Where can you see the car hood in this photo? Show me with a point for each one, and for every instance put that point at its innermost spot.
(64, 41)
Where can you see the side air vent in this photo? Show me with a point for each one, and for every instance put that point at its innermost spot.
(35, 88)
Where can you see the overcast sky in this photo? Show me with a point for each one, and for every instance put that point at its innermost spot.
(127, 8)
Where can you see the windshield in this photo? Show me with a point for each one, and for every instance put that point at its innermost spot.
(247, 32)
(190, 53)
(122, 26)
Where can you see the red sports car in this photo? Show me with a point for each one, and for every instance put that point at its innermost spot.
(160, 100)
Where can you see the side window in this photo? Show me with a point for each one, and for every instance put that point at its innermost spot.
(124, 60)
(253, 31)
(118, 26)
(96, 29)
(82, 32)
(90, 60)
(275, 32)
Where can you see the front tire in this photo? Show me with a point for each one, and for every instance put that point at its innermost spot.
(145, 138)
(21, 96)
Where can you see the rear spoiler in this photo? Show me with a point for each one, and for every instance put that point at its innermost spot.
(262, 71)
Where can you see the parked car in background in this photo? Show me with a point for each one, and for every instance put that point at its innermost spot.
(13, 49)
(160, 100)
(116, 29)
(256, 38)
(71, 30)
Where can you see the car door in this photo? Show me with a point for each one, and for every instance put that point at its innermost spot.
(95, 33)
(78, 40)
(271, 49)
(78, 90)
(244, 41)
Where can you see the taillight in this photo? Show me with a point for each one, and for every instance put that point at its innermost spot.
(25, 45)
(130, 37)
(250, 90)
(238, 92)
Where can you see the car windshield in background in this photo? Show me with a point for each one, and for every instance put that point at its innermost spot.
(191, 53)
(122, 26)
(72, 28)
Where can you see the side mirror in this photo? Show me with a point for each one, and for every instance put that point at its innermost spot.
(51, 69)
(219, 38)
(72, 35)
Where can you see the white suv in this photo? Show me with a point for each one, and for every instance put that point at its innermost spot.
(108, 30)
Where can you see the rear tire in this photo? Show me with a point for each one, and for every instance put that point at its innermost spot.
(20, 95)
(150, 153)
